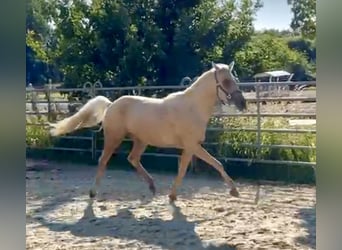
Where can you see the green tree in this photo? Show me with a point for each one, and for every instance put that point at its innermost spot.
(145, 41)
(110, 41)
(304, 17)
(268, 52)
(212, 32)
(304, 46)
(38, 37)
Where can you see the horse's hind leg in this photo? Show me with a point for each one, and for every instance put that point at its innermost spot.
(134, 158)
(111, 142)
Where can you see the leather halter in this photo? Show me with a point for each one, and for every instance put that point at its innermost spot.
(219, 86)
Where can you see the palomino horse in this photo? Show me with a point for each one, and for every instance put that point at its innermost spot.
(178, 120)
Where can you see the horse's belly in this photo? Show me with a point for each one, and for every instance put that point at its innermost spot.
(155, 132)
(164, 140)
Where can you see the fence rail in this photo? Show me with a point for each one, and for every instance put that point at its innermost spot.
(93, 149)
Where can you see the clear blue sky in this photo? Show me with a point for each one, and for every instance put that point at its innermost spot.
(276, 14)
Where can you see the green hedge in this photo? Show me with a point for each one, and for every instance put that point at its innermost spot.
(236, 138)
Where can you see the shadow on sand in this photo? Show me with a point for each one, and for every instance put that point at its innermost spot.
(308, 215)
(177, 233)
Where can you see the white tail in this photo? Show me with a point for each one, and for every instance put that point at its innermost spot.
(89, 115)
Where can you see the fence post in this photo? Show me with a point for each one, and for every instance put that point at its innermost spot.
(48, 97)
(92, 93)
(257, 93)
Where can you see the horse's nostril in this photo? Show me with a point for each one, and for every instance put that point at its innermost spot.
(243, 104)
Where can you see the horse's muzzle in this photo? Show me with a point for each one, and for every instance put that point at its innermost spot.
(238, 100)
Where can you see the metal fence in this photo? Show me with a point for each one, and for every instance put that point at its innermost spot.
(52, 106)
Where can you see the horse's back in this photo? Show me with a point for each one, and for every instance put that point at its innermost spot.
(129, 109)
(132, 99)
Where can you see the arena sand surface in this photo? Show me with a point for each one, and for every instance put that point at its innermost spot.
(59, 214)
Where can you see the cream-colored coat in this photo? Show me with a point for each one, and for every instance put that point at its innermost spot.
(178, 120)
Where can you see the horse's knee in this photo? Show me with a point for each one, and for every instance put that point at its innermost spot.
(132, 159)
(129, 158)
(100, 160)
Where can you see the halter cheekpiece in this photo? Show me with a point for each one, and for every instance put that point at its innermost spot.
(219, 86)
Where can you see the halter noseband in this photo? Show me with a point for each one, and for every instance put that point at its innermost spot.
(219, 86)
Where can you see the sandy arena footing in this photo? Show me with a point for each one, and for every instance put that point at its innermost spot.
(59, 214)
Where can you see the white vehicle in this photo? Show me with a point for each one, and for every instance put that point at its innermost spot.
(273, 77)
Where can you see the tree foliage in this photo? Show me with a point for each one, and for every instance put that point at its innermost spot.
(268, 52)
(140, 42)
(38, 34)
(304, 17)
(144, 41)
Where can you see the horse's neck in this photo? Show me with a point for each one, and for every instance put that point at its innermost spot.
(203, 94)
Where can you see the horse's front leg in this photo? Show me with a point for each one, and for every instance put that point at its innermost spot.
(183, 164)
(201, 153)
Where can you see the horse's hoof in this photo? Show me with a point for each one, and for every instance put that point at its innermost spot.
(233, 192)
(152, 189)
(172, 197)
(92, 194)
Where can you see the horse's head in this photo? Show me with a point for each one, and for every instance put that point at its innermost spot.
(226, 88)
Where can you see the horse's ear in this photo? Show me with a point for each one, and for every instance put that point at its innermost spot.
(214, 65)
(231, 66)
